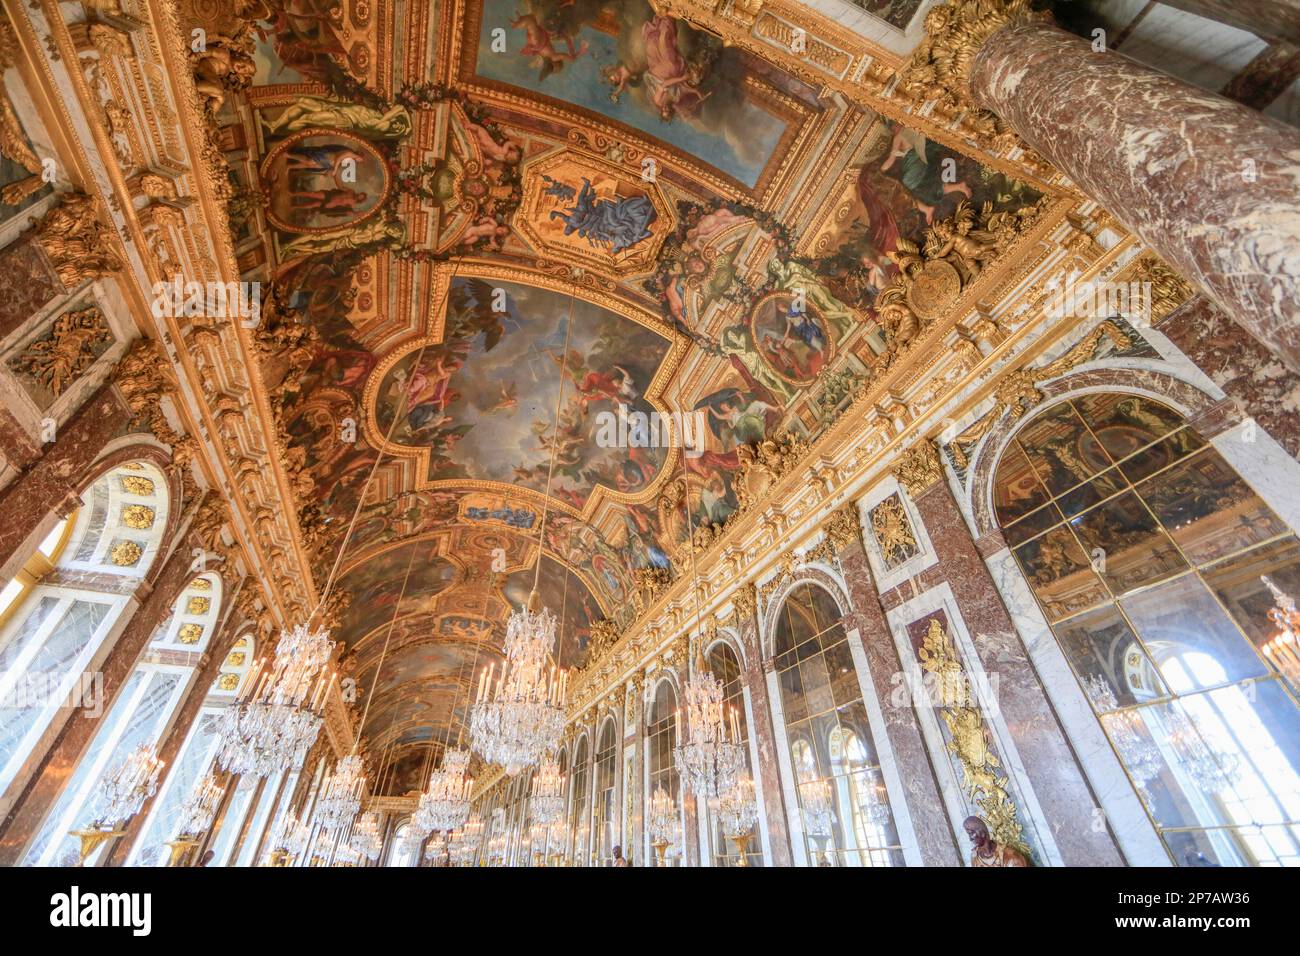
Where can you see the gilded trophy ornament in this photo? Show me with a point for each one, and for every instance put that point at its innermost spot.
(58, 359)
(919, 468)
(983, 779)
(893, 531)
(78, 246)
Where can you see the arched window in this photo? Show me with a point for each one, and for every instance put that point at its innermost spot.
(140, 715)
(661, 739)
(56, 614)
(579, 832)
(603, 811)
(1148, 554)
(846, 816)
(402, 854)
(725, 666)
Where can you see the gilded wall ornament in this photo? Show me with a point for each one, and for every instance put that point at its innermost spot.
(648, 584)
(893, 531)
(228, 681)
(189, 633)
(983, 779)
(939, 69)
(764, 463)
(1169, 290)
(919, 467)
(197, 604)
(840, 530)
(236, 659)
(78, 246)
(139, 517)
(125, 554)
(74, 342)
(932, 276)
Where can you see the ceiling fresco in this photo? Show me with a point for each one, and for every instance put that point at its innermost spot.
(439, 196)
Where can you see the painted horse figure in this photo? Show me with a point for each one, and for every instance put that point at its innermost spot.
(614, 224)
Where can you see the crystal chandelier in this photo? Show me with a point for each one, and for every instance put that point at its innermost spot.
(200, 807)
(125, 790)
(366, 836)
(547, 799)
(738, 813)
(520, 715)
(445, 804)
(464, 843)
(1283, 648)
(710, 756)
(1140, 756)
(278, 713)
(290, 840)
(661, 821)
(341, 793)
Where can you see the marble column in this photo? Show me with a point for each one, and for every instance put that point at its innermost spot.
(1259, 385)
(59, 762)
(1211, 185)
(925, 804)
(1269, 19)
(1057, 780)
(51, 484)
(767, 775)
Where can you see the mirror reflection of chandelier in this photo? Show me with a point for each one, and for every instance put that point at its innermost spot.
(1283, 648)
(464, 843)
(444, 805)
(341, 793)
(738, 813)
(278, 713)
(711, 755)
(818, 809)
(367, 839)
(122, 793)
(1141, 757)
(661, 821)
(519, 715)
(547, 799)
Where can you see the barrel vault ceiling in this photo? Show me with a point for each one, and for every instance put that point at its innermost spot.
(439, 197)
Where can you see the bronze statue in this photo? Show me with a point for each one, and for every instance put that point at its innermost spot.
(985, 851)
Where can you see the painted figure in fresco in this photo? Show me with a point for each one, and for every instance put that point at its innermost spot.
(372, 233)
(917, 163)
(612, 224)
(738, 418)
(737, 343)
(328, 202)
(795, 276)
(615, 386)
(561, 192)
(308, 112)
(323, 159)
(985, 851)
(541, 46)
(672, 83)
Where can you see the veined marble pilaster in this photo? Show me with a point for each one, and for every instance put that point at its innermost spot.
(1058, 782)
(934, 836)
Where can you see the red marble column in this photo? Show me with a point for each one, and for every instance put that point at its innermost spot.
(767, 773)
(925, 806)
(1058, 782)
(1209, 184)
(55, 478)
(1256, 383)
(60, 760)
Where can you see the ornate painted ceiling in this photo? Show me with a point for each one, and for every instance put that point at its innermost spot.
(492, 227)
